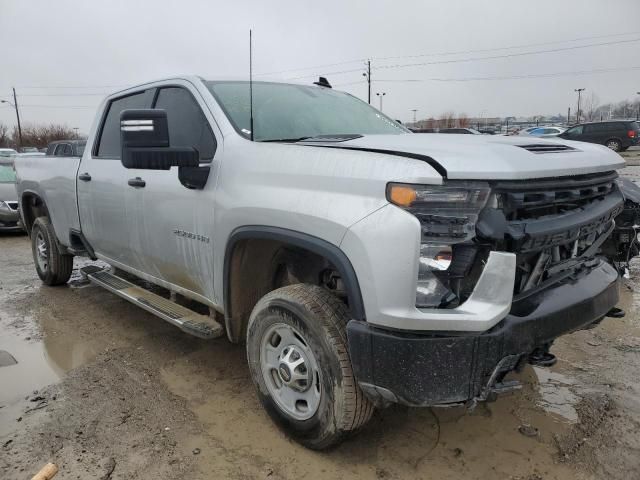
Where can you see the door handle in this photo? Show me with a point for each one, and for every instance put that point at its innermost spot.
(85, 177)
(137, 182)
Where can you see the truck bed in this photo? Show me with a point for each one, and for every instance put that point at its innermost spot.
(53, 179)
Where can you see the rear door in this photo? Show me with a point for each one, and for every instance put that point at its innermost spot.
(102, 185)
(171, 226)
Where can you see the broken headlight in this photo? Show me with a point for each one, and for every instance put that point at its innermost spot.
(447, 215)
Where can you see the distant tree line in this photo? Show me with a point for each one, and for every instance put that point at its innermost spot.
(34, 135)
(590, 110)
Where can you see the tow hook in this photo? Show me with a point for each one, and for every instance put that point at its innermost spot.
(541, 357)
(616, 312)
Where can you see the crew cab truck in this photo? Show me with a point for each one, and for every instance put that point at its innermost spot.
(361, 264)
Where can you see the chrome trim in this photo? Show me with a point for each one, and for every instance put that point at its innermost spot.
(136, 122)
(137, 129)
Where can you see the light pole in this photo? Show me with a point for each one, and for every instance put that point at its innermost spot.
(415, 110)
(638, 112)
(76, 131)
(380, 95)
(15, 105)
(579, 90)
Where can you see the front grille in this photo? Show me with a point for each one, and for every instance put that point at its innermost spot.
(547, 148)
(12, 205)
(534, 199)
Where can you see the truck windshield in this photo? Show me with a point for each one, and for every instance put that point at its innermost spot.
(291, 112)
(7, 175)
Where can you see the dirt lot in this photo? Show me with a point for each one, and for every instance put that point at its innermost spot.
(107, 391)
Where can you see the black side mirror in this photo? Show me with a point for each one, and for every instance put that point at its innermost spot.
(144, 136)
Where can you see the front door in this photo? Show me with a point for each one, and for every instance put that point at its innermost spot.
(171, 226)
(102, 186)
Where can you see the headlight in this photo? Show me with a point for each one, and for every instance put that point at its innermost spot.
(447, 215)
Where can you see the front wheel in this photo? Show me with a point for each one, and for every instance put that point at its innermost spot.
(299, 363)
(52, 267)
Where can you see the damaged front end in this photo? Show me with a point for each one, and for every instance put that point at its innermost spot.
(555, 227)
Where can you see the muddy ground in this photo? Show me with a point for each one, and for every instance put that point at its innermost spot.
(107, 391)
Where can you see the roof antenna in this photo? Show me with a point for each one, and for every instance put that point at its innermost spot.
(250, 84)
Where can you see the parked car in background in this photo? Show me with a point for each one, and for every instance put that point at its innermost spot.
(7, 152)
(467, 131)
(9, 214)
(66, 148)
(617, 135)
(545, 132)
(29, 150)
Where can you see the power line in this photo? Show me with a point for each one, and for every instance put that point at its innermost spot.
(63, 94)
(509, 55)
(58, 106)
(492, 57)
(484, 50)
(510, 77)
(310, 68)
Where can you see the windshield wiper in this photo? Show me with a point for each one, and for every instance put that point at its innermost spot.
(340, 137)
(285, 140)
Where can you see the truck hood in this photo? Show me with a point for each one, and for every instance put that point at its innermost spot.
(487, 157)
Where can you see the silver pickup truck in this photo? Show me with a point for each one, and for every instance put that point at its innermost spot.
(361, 264)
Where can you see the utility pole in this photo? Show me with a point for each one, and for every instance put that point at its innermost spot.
(367, 74)
(579, 90)
(15, 105)
(380, 95)
(638, 112)
(569, 116)
(415, 111)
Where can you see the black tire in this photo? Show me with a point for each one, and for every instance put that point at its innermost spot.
(52, 267)
(321, 319)
(614, 144)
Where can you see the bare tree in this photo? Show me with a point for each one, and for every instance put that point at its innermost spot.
(41, 135)
(463, 120)
(589, 107)
(5, 138)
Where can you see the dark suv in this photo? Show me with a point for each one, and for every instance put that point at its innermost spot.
(617, 135)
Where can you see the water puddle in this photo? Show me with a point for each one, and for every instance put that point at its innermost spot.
(556, 396)
(38, 363)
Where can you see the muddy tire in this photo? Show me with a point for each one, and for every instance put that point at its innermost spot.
(53, 267)
(299, 363)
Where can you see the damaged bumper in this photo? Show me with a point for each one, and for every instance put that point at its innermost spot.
(443, 368)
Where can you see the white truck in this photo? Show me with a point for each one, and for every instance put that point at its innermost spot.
(361, 264)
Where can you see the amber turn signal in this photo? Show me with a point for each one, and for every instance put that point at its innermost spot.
(402, 195)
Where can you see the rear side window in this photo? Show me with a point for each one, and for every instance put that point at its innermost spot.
(188, 127)
(109, 145)
(59, 150)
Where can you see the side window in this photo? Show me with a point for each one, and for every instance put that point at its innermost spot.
(575, 130)
(109, 143)
(188, 127)
(59, 150)
(67, 150)
(590, 128)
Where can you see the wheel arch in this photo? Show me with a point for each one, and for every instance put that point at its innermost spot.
(234, 320)
(32, 206)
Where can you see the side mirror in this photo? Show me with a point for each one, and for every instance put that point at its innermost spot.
(144, 136)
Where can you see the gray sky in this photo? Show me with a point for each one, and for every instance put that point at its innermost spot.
(114, 43)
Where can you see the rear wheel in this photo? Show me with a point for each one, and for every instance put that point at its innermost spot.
(299, 363)
(52, 267)
(614, 144)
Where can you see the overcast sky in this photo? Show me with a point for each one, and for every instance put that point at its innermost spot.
(107, 44)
